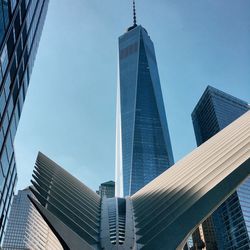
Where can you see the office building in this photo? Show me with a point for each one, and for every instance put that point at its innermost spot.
(21, 23)
(26, 228)
(159, 216)
(107, 189)
(229, 226)
(143, 148)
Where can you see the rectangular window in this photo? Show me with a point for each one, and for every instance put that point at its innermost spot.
(1, 139)
(5, 162)
(4, 59)
(7, 86)
(9, 146)
(17, 24)
(6, 12)
(13, 128)
(2, 103)
(10, 107)
(5, 123)
(11, 44)
(1, 183)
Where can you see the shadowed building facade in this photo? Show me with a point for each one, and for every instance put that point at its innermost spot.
(143, 147)
(21, 23)
(159, 216)
(229, 226)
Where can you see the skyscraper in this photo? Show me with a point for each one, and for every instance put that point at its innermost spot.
(107, 189)
(143, 148)
(26, 228)
(229, 226)
(21, 23)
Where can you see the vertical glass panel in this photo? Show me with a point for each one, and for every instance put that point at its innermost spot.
(5, 123)
(1, 139)
(13, 5)
(23, 9)
(17, 24)
(17, 117)
(13, 128)
(6, 12)
(2, 103)
(4, 59)
(11, 43)
(1, 181)
(19, 51)
(24, 33)
(5, 162)
(13, 70)
(9, 146)
(10, 107)
(2, 30)
(7, 86)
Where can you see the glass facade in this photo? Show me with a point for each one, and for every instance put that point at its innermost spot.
(229, 226)
(143, 148)
(107, 189)
(21, 23)
(26, 228)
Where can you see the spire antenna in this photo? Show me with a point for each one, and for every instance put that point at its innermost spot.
(134, 13)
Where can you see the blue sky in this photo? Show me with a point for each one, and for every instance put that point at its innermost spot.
(69, 113)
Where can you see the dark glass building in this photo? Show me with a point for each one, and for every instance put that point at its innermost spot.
(107, 189)
(229, 226)
(143, 147)
(21, 23)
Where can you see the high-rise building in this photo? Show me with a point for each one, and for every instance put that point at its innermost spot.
(159, 216)
(21, 23)
(26, 228)
(143, 148)
(229, 226)
(107, 189)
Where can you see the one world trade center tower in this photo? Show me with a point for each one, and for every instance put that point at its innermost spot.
(143, 147)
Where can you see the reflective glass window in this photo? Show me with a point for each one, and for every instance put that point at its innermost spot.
(13, 128)
(17, 117)
(19, 51)
(5, 162)
(17, 24)
(11, 44)
(24, 33)
(10, 106)
(6, 12)
(7, 85)
(4, 59)
(2, 103)
(15, 92)
(13, 70)
(5, 123)
(1, 139)
(13, 5)
(1, 181)
(9, 146)
(2, 29)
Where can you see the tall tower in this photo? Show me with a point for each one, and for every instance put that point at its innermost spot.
(229, 226)
(21, 23)
(143, 148)
(26, 228)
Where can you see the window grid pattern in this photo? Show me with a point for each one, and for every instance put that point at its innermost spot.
(26, 228)
(20, 34)
(229, 226)
(144, 142)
